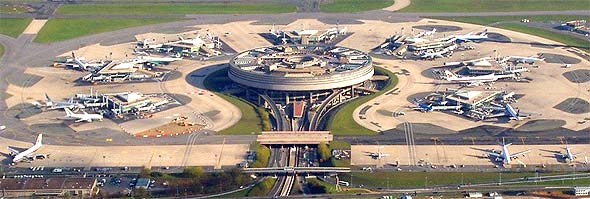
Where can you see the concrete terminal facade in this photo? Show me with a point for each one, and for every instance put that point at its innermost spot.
(301, 68)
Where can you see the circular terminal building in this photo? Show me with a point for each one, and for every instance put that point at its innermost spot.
(300, 70)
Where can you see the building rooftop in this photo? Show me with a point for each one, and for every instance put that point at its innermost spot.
(301, 60)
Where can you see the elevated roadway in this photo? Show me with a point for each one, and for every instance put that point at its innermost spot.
(289, 170)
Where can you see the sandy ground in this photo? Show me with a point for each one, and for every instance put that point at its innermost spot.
(119, 156)
(35, 26)
(398, 5)
(547, 89)
(446, 155)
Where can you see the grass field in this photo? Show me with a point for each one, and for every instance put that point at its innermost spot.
(354, 5)
(13, 27)
(582, 44)
(1, 50)
(511, 23)
(342, 123)
(12, 9)
(420, 179)
(189, 8)
(331, 188)
(494, 5)
(64, 29)
(490, 20)
(251, 122)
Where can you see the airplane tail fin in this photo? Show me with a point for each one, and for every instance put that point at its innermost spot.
(39, 140)
(68, 112)
(48, 100)
(484, 33)
(449, 75)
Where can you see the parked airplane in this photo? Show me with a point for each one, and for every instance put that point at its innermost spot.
(85, 66)
(472, 37)
(466, 63)
(51, 105)
(429, 107)
(505, 157)
(425, 33)
(438, 54)
(82, 117)
(18, 156)
(568, 155)
(378, 155)
(521, 59)
(513, 114)
(475, 80)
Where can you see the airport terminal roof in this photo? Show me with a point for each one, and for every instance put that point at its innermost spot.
(301, 60)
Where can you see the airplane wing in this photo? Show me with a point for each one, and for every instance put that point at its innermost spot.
(13, 150)
(493, 154)
(82, 119)
(520, 153)
(577, 153)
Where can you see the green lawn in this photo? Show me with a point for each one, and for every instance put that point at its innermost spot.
(511, 23)
(342, 123)
(494, 5)
(354, 5)
(420, 179)
(490, 20)
(13, 26)
(64, 29)
(12, 9)
(331, 188)
(339, 145)
(188, 8)
(561, 38)
(251, 121)
(1, 50)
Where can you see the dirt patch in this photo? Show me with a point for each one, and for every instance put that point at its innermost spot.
(560, 59)
(578, 76)
(171, 129)
(574, 106)
(497, 37)
(24, 80)
(541, 125)
(22, 111)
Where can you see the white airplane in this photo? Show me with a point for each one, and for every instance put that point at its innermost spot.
(568, 155)
(429, 107)
(439, 54)
(425, 33)
(475, 80)
(18, 156)
(433, 55)
(521, 59)
(51, 105)
(505, 157)
(472, 37)
(466, 63)
(86, 66)
(378, 155)
(513, 114)
(82, 117)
